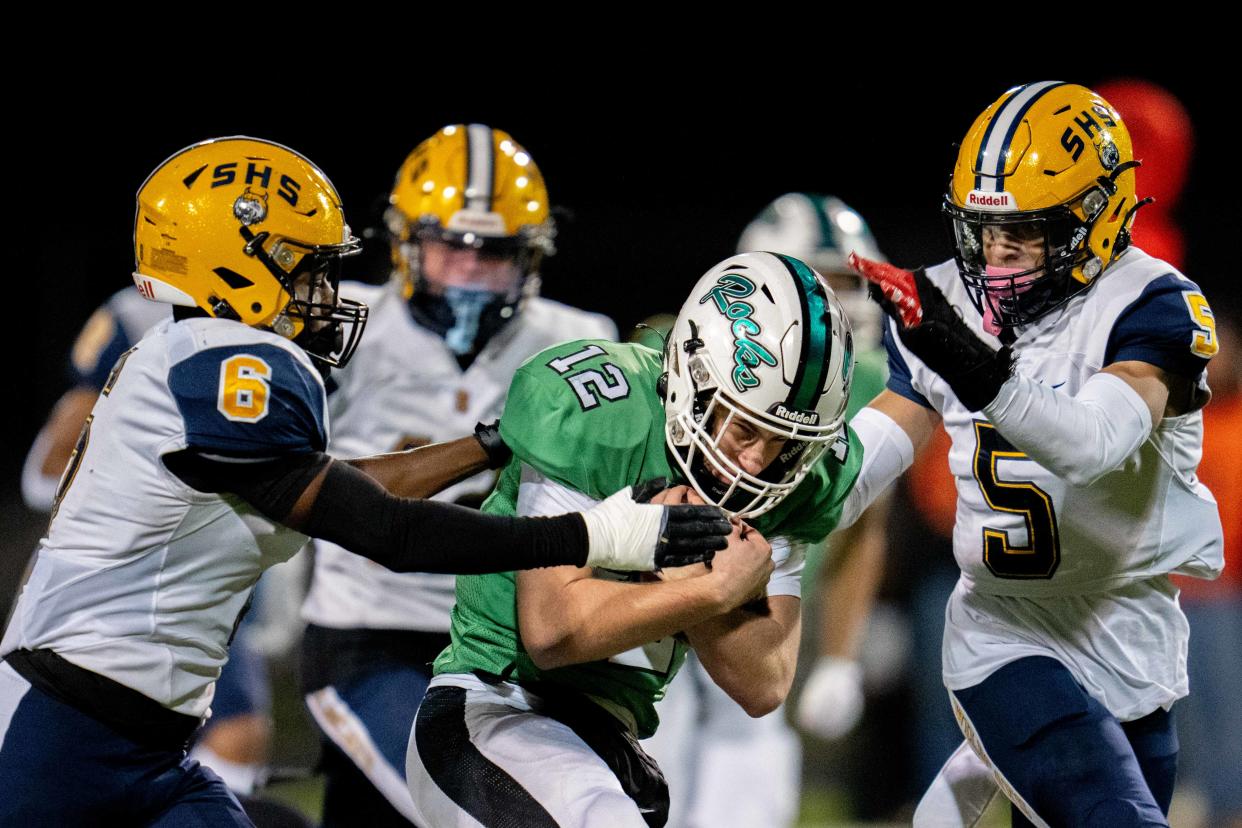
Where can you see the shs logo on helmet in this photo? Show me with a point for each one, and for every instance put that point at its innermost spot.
(762, 346)
(249, 230)
(1041, 200)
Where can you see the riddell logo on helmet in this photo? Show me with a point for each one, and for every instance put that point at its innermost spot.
(991, 201)
(800, 417)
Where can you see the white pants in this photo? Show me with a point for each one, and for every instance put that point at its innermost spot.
(495, 760)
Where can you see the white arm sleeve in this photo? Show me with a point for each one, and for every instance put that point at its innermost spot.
(790, 559)
(887, 452)
(39, 489)
(1080, 438)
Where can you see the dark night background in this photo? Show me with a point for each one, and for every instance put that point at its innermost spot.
(658, 176)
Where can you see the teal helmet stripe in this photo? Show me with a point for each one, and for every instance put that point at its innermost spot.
(808, 382)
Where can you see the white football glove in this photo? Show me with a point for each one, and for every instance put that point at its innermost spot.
(626, 534)
(832, 699)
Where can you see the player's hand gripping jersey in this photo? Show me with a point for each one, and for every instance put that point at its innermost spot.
(584, 419)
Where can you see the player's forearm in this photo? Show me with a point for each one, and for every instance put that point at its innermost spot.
(751, 656)
(425, 471)
(591, 619)
(849, 585)
(406, 535)
(1079, 438)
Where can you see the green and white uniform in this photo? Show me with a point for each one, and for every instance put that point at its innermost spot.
(722, 766)
(584, 420)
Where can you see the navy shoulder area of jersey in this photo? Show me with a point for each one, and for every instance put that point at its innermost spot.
(114, 328)
(586, 414)
(900, 381)
(249, 399)
(1169, 325)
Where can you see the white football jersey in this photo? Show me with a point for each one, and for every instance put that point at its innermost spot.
(141, 578)
(1093, 556)
(404, 388)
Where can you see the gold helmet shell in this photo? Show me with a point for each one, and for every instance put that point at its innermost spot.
(1052, 161)
(245, 229)
(473, 185)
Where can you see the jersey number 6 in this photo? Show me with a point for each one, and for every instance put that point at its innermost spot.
(244, 388)
(1042, 554)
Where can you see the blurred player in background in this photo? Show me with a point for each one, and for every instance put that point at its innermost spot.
(724, 767)
(470, 228)
(200, 465)
(536, 707)
(1067, 366)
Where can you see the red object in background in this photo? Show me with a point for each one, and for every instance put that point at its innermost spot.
(1163, 139)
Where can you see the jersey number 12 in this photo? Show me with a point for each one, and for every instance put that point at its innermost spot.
(590, 384)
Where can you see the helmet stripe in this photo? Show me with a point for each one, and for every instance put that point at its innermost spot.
(1000, 132)
(480, 162)
(808, 382)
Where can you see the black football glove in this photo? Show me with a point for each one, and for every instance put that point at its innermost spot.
(688, 534)
(488, 435)
(933, 331)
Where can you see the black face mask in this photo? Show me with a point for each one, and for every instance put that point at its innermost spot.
(465, 319)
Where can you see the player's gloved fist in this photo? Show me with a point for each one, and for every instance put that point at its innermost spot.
(488, 435)
(627, 534)
(932, 330)
(832, 699)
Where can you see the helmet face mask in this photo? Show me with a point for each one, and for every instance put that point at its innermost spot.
(1041, 200)
(469, 226)
(758, 361)
(249, 230)
(1016, 268)
(716, 469)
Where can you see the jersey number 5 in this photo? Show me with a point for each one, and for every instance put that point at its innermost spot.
(590, 384)
(1042, 554)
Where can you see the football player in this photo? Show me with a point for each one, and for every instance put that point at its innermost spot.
(723, 767)
(469, 224)
(536, 706)
(110, 331)
(235, 743)
(1068, 368)
(201, 465)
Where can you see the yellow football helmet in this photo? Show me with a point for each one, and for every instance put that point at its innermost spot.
(1048, 168)
(249, 230)
(475, 192)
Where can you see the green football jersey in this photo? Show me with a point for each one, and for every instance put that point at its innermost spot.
(586, 415)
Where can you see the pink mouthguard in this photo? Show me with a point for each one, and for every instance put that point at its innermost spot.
(1020, 285)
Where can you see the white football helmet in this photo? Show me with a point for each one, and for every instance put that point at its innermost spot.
(822, 230)
(763, 339)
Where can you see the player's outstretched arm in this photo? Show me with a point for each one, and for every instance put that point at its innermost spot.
(335, 501)
(1079, 438)
(428, 470)
(892, 430)
(832, 699)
